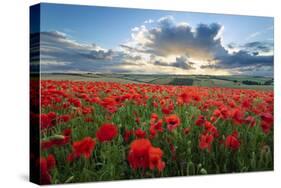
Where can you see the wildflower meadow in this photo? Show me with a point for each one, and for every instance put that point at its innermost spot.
(98, 131)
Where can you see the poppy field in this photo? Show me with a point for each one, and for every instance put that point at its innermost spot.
(100, 131)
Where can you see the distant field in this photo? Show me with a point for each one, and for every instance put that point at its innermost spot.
(250, 82)
(82, 77)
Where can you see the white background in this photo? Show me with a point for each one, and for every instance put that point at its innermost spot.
(14, 98)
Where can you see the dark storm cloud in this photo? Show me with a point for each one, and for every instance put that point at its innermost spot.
(231, 45)
(262, 70)
(240, 60)
(98, 54)
(181, 62)
(129, 59)
(258, 46)
(59, 52)
(210, 66)
(243, 59)
(60, 46)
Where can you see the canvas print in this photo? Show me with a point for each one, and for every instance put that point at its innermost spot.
(121, 93)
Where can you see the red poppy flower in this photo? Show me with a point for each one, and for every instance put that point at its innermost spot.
(64, 118)
(52, 115)
(250, 120)
(138, 120)
(186, 130)
(87, 110)
(237, 116)
(211, 129)
(152, 132)
(46, 164)
(140, 133)
(84, 147)
(46, 144)
(153, 118)
(67, 132)
(107, 132)
(45, 121)
(266, 122)
(110, 104)
(155, 159)
(173, 121)
(71, 157)
(43, 165)
(267, 117)
(127, 135)
(205, 141)
(184, 98)
(51, 161)
(246, 103)
(232, 141)
(217, 113)
(75, 101)
(213, 119)
(168, 109)
(158, 125)
(197, 98)
(265, 127)
(57, 140)
(224, 112)
(138, 155)
(200, 120)
(45, 178)
(155, 104)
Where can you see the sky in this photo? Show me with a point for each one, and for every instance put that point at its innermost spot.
(76, 38)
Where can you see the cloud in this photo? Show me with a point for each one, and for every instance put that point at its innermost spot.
(202, 44)
(59, 52)
(169, 38)
(258, 46)
(252, 70)
(181, 62)
(149, 21)
(52, 43)
(172, 39)
(231, 45)
(253, 35)
(242, 59)
(210, 66)
(258, 33)
(99, 54)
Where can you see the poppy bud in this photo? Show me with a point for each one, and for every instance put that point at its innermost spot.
(56, 137)
(69, 180)
(203, 171)
(199, 166)
(253, 160)
(190, 168)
